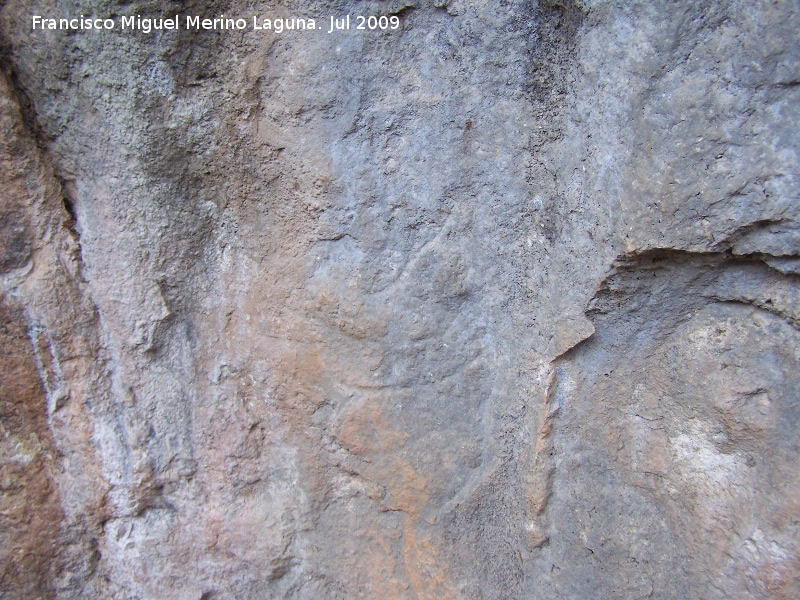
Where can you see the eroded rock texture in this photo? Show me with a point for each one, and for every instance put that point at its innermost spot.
(503, 304)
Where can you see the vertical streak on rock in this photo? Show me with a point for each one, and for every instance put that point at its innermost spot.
(538, 478)
(30, 511)
(60, 327)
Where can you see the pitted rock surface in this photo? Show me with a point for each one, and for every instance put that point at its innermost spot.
(500, 304)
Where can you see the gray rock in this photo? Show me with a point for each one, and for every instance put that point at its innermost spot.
(499, 304)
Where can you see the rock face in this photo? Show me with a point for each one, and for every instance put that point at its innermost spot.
(503, 303)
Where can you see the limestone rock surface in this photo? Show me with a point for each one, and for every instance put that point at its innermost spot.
(500, 304)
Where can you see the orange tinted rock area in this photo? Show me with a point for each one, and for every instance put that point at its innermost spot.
(30, 511)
